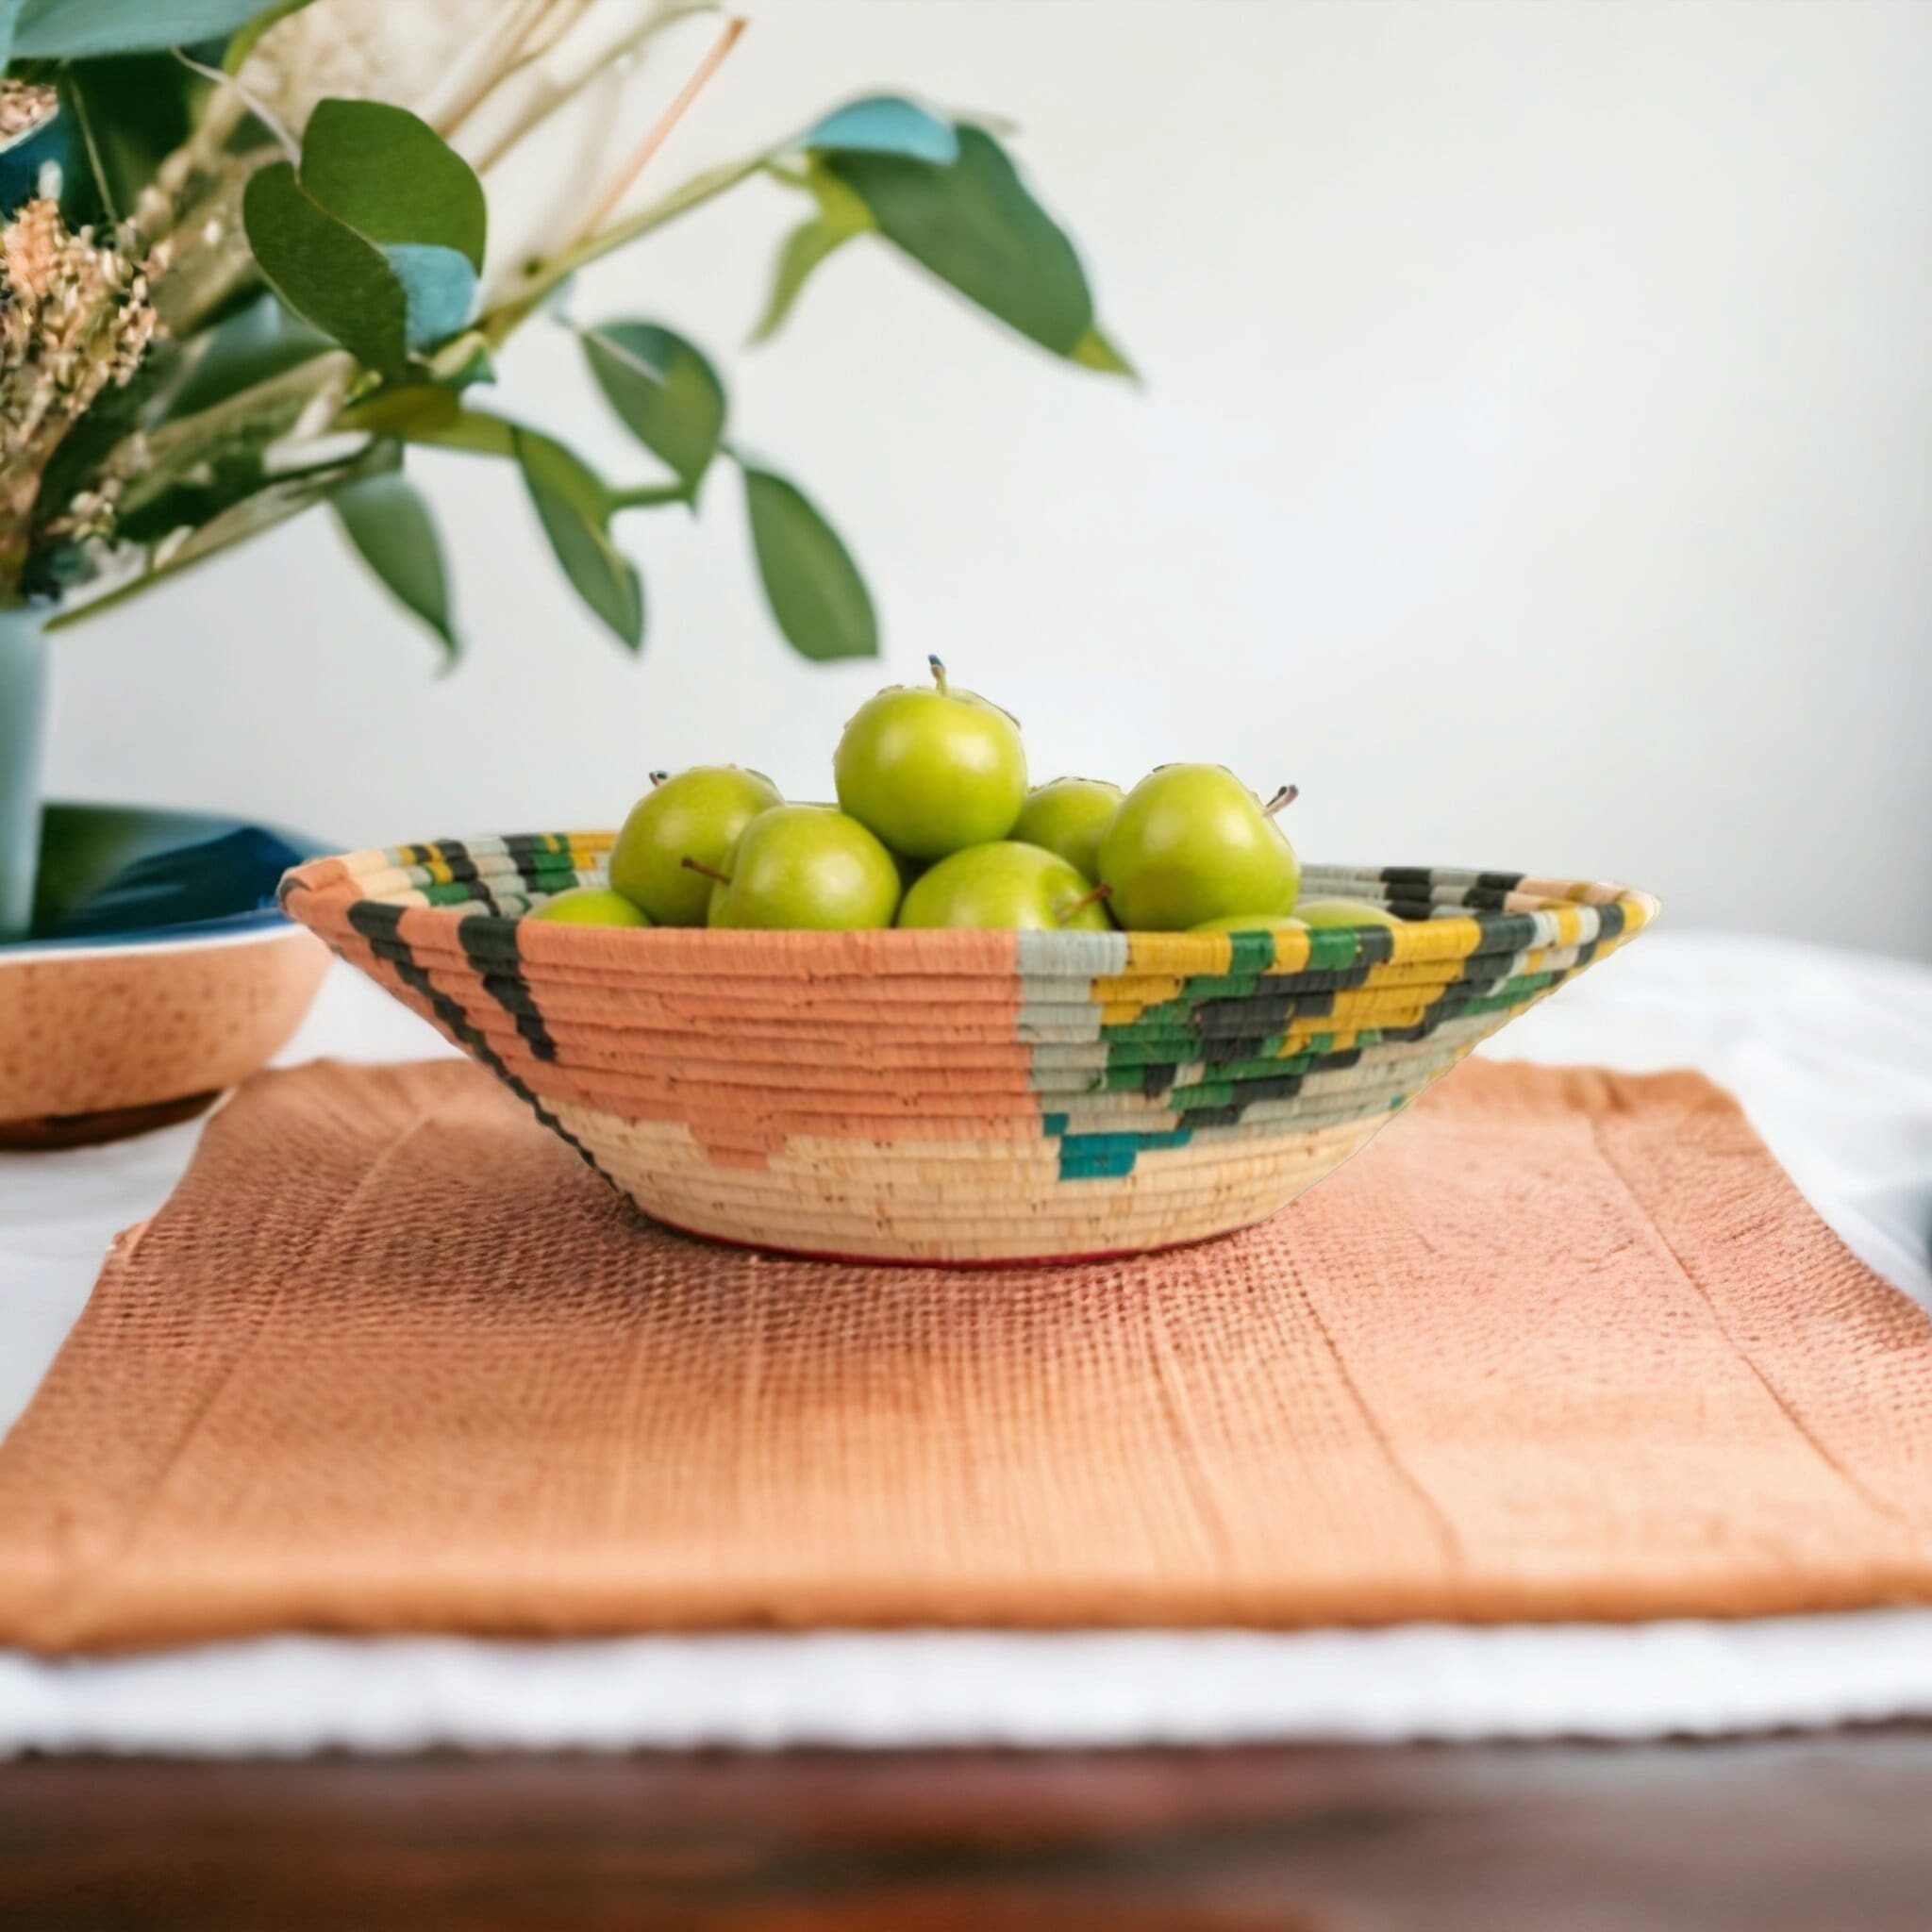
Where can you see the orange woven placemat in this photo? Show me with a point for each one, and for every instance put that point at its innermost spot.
(1565, 1345)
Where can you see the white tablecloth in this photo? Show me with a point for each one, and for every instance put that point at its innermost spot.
(1831, 1054)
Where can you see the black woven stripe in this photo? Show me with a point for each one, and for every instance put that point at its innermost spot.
(1246, 1015)
(499, 966)
(1225, 1048)
(490, 944)
(1408, 876)
(1610, 921)
(1500, 881)
(1156, 1076)
(1267, 1087)
(378, 924)
(1484, 898)
(1510, 933)
(1374, 946)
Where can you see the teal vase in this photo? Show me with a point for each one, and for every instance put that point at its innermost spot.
(22, 705)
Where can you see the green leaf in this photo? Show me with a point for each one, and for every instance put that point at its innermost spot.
(131, 114)
(392, 179)
(325, 271)
(812, 583)
(666, 392)
(390, 528)
(884, 124)
(976, 226)
(841, 215)
(573, 502)
(1093, 351)
(574, 510)
(427, 415)
(244, 44)
(379, 239)
(72, 29)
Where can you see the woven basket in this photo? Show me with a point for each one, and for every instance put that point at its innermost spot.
(954, 1097)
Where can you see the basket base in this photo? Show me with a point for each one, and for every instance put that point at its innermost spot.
(968, 1265)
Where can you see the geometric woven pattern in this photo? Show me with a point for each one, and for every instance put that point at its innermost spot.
(962, 1097)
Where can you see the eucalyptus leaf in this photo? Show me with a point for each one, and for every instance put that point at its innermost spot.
(392, 179)
(884, 124)
(377, 239)
(814, 589)
(976, 226)
(574, 510)
(75, 29)
(438, 286)
(666, 392)
(841, 215)
(388, 526)
(325, 271)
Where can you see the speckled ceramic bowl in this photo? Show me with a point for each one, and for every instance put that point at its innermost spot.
(162, 974)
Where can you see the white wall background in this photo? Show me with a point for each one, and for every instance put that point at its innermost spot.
(1535, 461)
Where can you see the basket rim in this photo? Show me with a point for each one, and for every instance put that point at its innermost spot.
(1459, 912)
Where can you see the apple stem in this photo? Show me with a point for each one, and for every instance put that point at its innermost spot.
(1098, 896)
(939, 673)
(1282, 800)
(656, 778)
(709, 871)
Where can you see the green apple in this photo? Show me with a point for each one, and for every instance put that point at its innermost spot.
(801, 867)
(1191, 842)
(591, 906)
(1068, 817)
(931, 772)
(1252, 922)
(1009, 886)
(1322, 913)
(698, 814)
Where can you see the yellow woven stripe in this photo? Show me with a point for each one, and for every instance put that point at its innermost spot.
(1124, 1000)
(1291, 952)
(1433, 938)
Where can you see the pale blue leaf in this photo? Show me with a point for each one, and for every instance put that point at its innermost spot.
(885, 125)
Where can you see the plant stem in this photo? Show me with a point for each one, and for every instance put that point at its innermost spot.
(648, 496)
(659, 133)
(553, 94)
(527, 295)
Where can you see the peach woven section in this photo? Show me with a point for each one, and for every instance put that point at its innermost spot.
(1566, 1345)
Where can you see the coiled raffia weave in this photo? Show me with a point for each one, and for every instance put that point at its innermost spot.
(954, 1096)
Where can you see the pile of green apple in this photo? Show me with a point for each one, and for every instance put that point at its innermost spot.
(934, 827)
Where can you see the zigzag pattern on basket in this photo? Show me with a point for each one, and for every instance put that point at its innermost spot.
(954, 1096)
